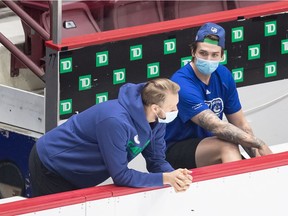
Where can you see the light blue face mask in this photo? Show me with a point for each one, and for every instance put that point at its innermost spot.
(170, 116)
(206, 67)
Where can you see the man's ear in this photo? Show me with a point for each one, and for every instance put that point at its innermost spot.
(154, 107)
(192, 53)
(222, 57)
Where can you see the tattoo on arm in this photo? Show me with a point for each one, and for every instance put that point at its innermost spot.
(226, 131)
(249, 150)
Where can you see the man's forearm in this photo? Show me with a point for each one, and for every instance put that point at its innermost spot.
(226, 131)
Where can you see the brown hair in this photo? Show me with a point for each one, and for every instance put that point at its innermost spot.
(194, 45)
(155, 91)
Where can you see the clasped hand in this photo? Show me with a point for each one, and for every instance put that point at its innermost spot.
(179, 179)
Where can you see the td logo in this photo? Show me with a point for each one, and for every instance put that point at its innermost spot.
(284, 46)
(153, 70)
(169, 46)
(270, 28)
(84, 82)
(102, 58)
(254, 52)
(271, 69)
(135, 52)
(119, 76)
(238, 74)
(237, 34)
(185, 60)
(101, 97)
(65, 106)
(66, 65)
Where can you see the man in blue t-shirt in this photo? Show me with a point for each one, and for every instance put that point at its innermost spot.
(198, 136)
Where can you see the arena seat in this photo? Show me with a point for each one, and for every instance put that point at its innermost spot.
(120, 14)
(184, 8)
(77, 20)
(241, 3)
(97, 10)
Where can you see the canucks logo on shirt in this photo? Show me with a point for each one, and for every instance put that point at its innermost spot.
(216, 105)
(134, 147)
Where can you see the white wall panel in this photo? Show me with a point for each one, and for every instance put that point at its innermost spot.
(265, 106)
(71, 210)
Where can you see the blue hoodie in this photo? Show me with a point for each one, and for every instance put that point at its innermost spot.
(100, 141)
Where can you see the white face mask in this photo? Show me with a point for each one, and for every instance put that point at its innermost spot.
(170, 116)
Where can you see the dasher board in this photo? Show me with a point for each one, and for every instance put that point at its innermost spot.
(248, 187)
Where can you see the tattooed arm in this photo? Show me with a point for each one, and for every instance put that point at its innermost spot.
(227, 131)
(238, 119)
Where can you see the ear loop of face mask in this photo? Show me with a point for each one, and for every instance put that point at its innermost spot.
(157, 114)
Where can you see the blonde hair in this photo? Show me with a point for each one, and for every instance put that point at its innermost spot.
(155, 91)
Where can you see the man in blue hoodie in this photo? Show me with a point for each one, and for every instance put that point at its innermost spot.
(99, 142)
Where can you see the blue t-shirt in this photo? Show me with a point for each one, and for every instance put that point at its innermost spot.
(220, 96)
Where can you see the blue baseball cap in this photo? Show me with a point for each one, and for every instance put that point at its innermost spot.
(214, 29)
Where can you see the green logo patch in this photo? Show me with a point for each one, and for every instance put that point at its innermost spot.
(135, 149)
(66, 65)
(135, 52)
(237, 34)
(238, 74)
(102, 58)
(101, 97)
(65, 106)
(271, 69)
(84, 82)
(153, 70)
(270, 28)
(185, 60)
(169, 46)
(119, 76)
(284, 46)
(254, 52)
